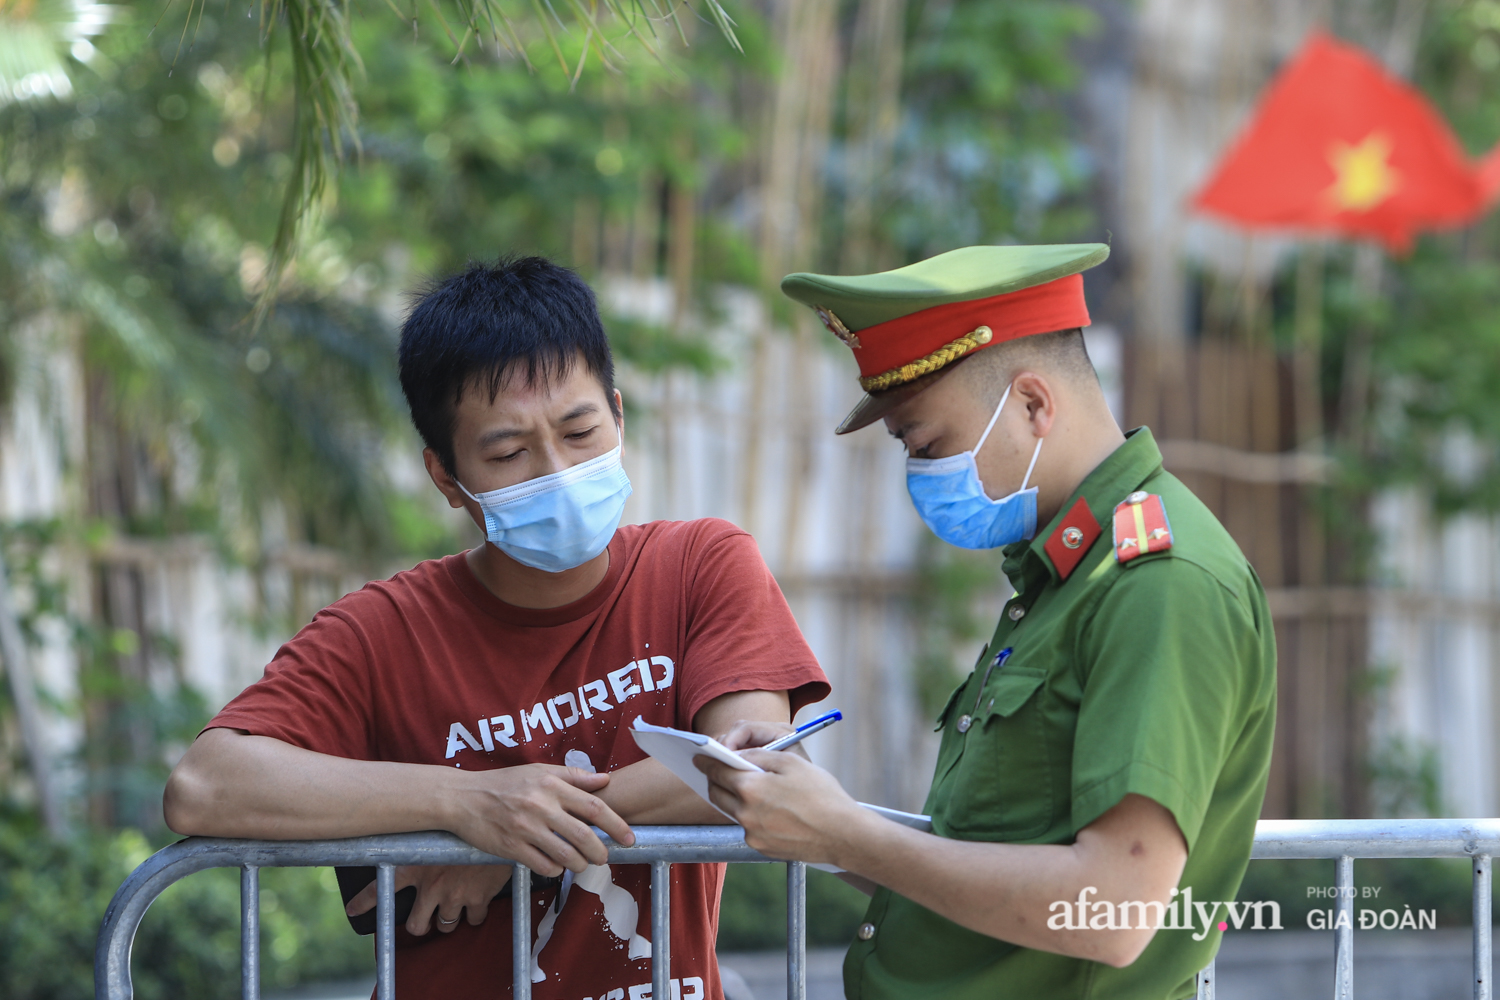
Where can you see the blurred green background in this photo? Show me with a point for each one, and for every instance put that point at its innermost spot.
(143, 179)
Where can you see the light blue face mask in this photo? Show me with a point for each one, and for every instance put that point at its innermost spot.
(557, 522)
(950, 498)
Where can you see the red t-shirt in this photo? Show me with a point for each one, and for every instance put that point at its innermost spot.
(429, 667)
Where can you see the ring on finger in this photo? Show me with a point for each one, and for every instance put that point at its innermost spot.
(447, 923)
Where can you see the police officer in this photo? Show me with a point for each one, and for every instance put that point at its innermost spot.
(1102, 768)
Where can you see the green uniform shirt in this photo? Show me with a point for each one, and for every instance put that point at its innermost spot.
(1156, 676)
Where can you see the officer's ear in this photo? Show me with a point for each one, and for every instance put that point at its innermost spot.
(1040, 399)
(619, 408)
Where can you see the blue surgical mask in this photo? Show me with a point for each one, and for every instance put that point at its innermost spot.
(557, 522)
(950, 498)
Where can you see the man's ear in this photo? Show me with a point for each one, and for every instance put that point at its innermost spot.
(620, 423)
(445, 483)
(1040, 399)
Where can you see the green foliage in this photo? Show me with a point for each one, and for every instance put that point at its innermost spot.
(53, 897)
(986, 153)
(154, 256)
(752, 911)
(1435, 333)
(326, 66)
(655, 349)
(35, 37)
(1405, 779)
(462, 164)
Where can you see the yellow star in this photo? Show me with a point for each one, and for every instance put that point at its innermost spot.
(1365, 177)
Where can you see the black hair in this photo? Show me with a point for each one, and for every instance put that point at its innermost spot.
(471, 330)
(1062, 352)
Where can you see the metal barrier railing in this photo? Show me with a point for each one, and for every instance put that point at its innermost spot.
(663, 846)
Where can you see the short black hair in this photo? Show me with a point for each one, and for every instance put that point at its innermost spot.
(521, 314)
(1062, 352)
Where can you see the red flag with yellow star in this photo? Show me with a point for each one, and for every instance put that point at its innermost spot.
(1340, 146)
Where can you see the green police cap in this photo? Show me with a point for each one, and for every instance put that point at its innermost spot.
(909, 326)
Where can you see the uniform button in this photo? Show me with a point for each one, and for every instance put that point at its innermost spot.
(1139, 496)
(866, 931)
(1016, 613)
(964, 723)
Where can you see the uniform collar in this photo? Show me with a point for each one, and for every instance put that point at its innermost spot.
(1126, 469)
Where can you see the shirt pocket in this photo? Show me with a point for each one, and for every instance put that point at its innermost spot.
(950, 744)
(1003, 787)
(942, 719)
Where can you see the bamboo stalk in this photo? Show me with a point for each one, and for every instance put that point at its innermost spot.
(28, 712)
(875, 113)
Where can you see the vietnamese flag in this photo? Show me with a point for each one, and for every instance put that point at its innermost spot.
(1341, 146)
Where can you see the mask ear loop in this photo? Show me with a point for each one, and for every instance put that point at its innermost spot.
(1036, 452)
(993, 417)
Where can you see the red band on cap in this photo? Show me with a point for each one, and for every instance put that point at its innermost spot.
(1056, 305)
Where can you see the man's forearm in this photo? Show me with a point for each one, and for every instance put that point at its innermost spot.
(233, 785)
(646, 792)
(1002, 890)
(1007, 891)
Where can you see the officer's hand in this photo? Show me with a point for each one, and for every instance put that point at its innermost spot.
(748, 733)
(793, 810)
(537, 814)
(443, 893)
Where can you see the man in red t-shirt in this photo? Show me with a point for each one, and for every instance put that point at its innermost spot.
(489, 693)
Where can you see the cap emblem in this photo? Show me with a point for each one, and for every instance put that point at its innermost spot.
(836, 327)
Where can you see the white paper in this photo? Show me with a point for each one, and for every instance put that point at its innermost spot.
(676, 748)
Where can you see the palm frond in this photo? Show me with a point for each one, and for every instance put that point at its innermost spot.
(326, 65)
(36, 39)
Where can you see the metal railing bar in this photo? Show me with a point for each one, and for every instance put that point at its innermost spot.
(130, 902)
(1476, 839)
(250, 932)
(1206, 981)
(385, 932)
(1483, 927)
(796, 930)
(661, 929)
(1343, 932)
(1284, 839)
(520, 932)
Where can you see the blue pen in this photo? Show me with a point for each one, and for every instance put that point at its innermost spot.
(817, 725)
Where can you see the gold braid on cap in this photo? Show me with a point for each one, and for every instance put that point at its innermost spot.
(925, 366)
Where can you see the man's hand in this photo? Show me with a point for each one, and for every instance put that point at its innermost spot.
(794, 809)
(443, 893)
(539, 815)
(647, 793)
(748, 734)
(797, 811)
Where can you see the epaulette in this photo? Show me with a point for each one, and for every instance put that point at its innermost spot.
(1141, 526)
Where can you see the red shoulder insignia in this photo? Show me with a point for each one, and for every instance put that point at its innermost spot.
(1141, 526)
(1075, 534)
